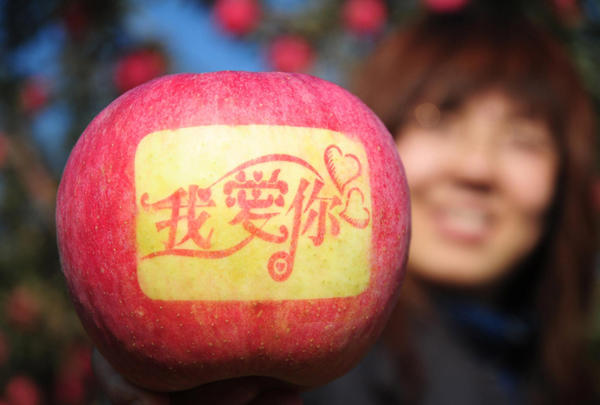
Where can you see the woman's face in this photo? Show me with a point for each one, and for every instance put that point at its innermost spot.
(482, 179)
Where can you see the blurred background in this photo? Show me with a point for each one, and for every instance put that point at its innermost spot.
(63, 61)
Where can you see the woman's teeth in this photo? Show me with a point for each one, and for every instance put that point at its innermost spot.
(466, 220)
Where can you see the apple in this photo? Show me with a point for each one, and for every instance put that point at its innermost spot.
(22, 308)
(596, 193)
(76, 20)
(291, 53)
(238, 17)
(78, 361)
(75, 376)
(4, 349)
(138, 67)
(22, 390)
(364, 17)
(69, 390)
(4, 147)
(219, 225)
(568, 12)
(565, 4)
(33, 95)
(445, 6)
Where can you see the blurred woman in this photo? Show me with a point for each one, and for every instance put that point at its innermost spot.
(497, 138)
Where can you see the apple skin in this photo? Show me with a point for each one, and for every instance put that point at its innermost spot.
(178, 344)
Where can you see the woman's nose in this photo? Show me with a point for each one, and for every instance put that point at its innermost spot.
(474, 162)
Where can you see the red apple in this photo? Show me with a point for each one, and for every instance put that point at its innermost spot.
(69, 390)
(291, 53)
(33, 95)
(75, 376)
(445, 6)
(76, 19)
(22, 308)
(4, 147)
(596, 193)
(239, 17)
(565, 4)
(364, 16)
(568, 12)
(230, 224)
(77, 361)
(4, 349)
(22, 390)
(138, 67)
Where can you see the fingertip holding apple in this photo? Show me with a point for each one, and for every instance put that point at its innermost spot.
(230, 224)
(119, 390)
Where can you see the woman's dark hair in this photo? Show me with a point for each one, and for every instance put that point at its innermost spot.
(446, 59)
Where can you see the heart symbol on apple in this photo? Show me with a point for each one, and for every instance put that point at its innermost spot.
(355, 212)
(204, 194)
(341, 168)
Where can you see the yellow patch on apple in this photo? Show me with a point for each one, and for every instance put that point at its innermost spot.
(252, 212)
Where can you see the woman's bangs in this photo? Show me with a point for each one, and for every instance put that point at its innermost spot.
(507, 64)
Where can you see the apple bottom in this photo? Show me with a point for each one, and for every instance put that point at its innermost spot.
(301, 355)
(302, 377)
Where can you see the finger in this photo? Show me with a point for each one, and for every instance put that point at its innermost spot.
(239, 391)
(278, 397)
(120, 391)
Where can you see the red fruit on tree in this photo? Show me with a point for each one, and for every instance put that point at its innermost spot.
(4, 146)
(76, 19)
(78, 362)
(596, 193)
(230, 224)
(568, 12)
(22, 308)
(33, 95)
(565, 4)
(138, 67)
(69, 389)
(4, 349)
(364, 16)
(22, 390)
(239, 17)
(291, 54)
(445, 6)
(75, 376)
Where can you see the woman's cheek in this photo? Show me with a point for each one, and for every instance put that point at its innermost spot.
(422, 157)
(529, 181)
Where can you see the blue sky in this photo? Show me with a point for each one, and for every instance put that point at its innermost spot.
(189, 33)
(191, 37)
(195, 43)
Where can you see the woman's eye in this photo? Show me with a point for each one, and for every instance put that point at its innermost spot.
(427, 115)
(436, 120)
(529, 136)
(448, 121)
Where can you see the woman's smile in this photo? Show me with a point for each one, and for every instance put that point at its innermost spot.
(463, 224)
